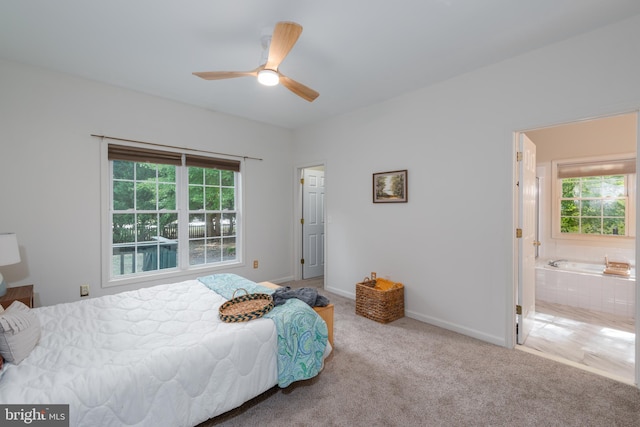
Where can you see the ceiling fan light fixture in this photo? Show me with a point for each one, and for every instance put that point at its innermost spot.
(276, 47)
(268, 77)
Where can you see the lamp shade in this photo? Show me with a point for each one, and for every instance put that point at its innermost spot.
(9, 251)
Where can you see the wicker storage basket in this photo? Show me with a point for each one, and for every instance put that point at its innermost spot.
(383, 302)
(245, 307)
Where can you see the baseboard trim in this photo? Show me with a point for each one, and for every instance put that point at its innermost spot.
(473, 333)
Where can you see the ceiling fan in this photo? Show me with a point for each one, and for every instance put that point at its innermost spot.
(283, 39)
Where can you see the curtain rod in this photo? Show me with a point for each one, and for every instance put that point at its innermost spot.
(175, 147)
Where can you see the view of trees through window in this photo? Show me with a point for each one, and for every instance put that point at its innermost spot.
(212, 216)
(146, 227)
(594, 205)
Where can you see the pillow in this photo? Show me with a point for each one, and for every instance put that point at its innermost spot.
(19, 332)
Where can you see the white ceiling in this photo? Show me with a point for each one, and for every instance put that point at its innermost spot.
(355, 53)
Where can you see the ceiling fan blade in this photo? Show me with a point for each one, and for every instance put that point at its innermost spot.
(284, 37)
(298, 88)
(219, 75)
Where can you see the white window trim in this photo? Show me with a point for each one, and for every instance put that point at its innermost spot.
(156, 276)
(556, 191)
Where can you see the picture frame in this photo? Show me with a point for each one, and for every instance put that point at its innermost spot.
(390, 187)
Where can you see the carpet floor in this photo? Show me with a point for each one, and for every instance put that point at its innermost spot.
(408, 373)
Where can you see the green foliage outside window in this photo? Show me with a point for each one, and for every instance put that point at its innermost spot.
(211, 228)
(145, 222)
(594, 205)
(144, 219)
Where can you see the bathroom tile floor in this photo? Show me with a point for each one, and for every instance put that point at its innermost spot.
(598, 340)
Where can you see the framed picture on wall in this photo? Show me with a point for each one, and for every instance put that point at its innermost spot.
(390, 187)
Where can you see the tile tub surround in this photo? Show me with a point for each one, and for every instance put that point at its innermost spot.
(608, 294)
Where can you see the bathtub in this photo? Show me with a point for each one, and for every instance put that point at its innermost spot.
(584, 285)
(582, 267)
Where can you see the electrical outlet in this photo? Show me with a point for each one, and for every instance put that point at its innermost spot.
(84, 290)
(255, 263)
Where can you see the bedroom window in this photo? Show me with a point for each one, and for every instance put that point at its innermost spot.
(170, 212)
(212, 215)
(595, 198)
(144, 217)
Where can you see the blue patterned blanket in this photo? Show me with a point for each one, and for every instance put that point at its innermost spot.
(302, 334)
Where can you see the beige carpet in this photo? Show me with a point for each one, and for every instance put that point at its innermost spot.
(408, 373)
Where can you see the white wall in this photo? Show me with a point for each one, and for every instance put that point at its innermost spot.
(452, 243)
(50, 175)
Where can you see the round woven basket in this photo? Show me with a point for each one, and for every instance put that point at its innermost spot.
(245, 307)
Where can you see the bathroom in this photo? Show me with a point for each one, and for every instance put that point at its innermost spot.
(586, 220)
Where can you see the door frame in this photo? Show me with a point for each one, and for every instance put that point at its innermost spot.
(511, 317)
(297, 214)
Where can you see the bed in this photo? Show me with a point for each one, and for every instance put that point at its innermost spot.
(161, 356)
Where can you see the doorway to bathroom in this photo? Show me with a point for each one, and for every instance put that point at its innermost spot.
(585, 217)
(312, 223)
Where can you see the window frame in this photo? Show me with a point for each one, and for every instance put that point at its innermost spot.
(205, 212)
(556, 194)
(183, 269)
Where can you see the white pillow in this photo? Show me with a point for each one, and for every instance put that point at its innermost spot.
(19, 332)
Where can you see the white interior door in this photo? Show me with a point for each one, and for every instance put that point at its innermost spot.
(527, 243)
(312, 223)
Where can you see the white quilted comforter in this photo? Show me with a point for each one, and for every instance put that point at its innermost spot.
(157, 356)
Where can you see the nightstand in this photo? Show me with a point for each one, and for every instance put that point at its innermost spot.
(24, 294)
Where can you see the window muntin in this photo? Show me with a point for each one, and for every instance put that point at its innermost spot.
(144, 210)
(212, 216)
(159, 209)
(588, 199)
(594, 205)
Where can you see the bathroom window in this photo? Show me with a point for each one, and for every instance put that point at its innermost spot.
(594, 198)
(594, 205)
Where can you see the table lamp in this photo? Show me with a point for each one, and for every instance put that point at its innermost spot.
(9, 254)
